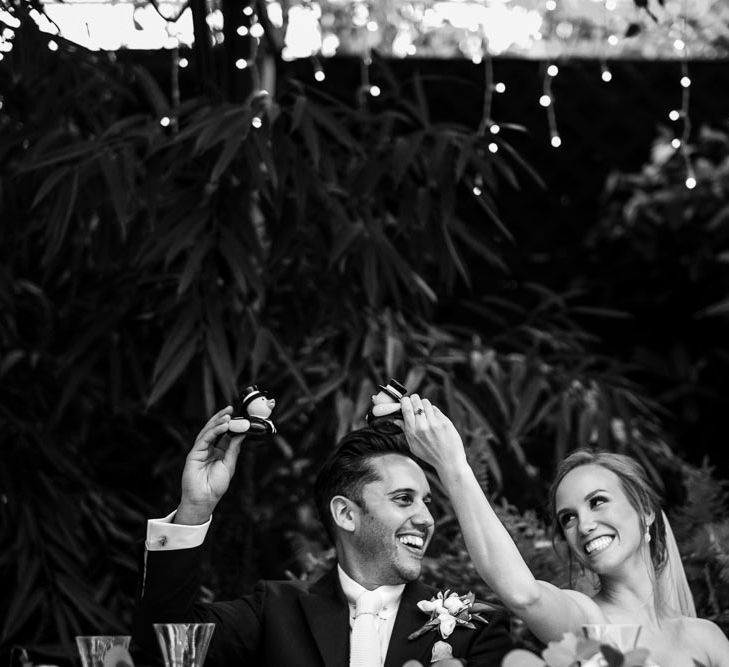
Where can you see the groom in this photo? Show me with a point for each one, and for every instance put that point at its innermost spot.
(373, 499)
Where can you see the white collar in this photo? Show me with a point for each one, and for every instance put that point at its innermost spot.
(352, 590)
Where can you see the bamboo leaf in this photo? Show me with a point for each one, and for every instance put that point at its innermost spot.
(178, 364)
(218, 352)
(191, 270)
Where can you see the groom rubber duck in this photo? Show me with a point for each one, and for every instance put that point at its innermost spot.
(252, 418)
(386, 402)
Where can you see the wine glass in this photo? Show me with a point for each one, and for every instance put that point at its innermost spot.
(184, 644)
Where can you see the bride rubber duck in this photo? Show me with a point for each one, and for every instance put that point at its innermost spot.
(386, 402)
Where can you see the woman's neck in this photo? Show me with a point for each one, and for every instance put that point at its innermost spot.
(628, 595)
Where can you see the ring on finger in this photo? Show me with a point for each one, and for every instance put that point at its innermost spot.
(419, 411)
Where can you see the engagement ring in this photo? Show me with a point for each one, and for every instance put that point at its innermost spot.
(419, 411)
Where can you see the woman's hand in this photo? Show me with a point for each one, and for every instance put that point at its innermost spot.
(209, 467)
(431, 436)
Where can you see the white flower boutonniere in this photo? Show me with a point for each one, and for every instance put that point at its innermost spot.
(448, 610)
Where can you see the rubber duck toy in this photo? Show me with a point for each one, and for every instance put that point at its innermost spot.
(386, 402)
(252, 417)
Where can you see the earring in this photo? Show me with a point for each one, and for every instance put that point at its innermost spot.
(647, 535)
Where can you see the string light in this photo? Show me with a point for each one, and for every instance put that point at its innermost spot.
(52, 45)
(488, 88)
(256, 30)
(164, 121)
(248, 11)
(553, 70)
(493, 147)
(551, 5)
(256, 122)
(375, 91)
(495, 129)
(605, 74)
(500, 87)
(546, 101)
(477, 183)
(318, 70)
(676, 143)
(674, 115)
(241, 63)
(690, 181)
(242, 30)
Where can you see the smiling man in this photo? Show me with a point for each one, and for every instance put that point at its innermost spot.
(373, 497)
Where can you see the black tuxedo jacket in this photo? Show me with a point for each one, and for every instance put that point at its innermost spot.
(291, 623)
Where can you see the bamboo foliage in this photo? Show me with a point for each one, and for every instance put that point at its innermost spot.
(150, 272)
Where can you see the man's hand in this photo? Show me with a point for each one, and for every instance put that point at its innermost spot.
(431, 436)
(209, 467)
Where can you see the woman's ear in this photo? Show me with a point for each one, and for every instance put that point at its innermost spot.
(344, 513)
(649, 519)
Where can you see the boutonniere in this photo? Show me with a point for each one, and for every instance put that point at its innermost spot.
(447, 610)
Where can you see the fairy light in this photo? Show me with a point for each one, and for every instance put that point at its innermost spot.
(256, 30)
(256, 122)
(52, 45)
(183, 63)
(613, 40)
(319, 75)
(375, 91)
(674, 115)
(248, 10)
(605, 74)
(488, 88)
(685, 81)
(500, 87)
(242, 30)
(164, 121)
(493, 147)
(550, 5)
(477, 185)
(676, 143)
(547, 102)
(494, 129)
(241, 63)
(553, 70)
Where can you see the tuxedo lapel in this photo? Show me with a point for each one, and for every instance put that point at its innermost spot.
(409, 619)
(327, 613)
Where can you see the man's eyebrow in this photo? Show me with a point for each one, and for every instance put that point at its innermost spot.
(402, 490)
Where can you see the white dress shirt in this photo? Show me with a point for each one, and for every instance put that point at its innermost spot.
(390, 604)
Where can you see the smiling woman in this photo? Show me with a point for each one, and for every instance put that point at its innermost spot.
(610, 517)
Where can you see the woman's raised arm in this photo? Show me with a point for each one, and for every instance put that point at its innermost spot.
(548, 611)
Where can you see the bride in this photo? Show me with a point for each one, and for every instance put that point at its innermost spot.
(611, 520)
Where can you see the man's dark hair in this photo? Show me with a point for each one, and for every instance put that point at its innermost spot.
(349, 467)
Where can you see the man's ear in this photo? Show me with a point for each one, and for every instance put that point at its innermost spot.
(344, 513)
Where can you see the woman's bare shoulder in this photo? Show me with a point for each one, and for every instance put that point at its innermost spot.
(710, 637)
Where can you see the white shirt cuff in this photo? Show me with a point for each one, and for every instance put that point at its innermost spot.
(163, 535)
